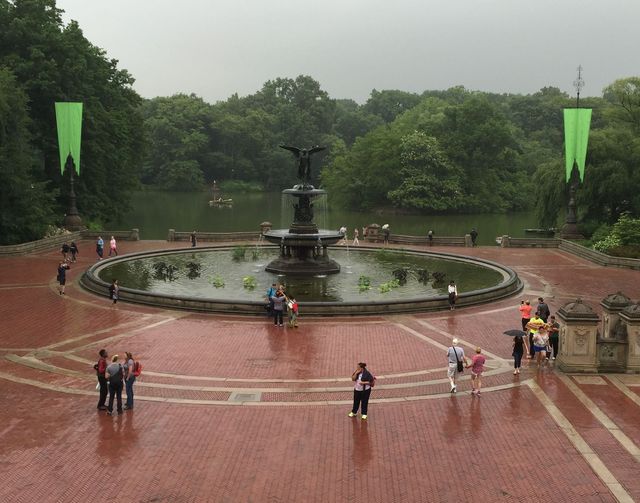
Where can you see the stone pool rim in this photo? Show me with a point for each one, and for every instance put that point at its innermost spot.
(510, 286)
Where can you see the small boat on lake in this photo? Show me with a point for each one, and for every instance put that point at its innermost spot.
(221, 202)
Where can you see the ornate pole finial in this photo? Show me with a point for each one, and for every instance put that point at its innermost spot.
(578, 84)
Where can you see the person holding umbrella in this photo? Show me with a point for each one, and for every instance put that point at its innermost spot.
(519, 346)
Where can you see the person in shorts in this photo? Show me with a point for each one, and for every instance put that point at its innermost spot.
(477, 368)
(540, 343)
(62, 276)
(455, 354)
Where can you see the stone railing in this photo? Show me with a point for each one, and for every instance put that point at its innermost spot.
(213, 236)
(55, 242)
(420, 240)
(509, 242)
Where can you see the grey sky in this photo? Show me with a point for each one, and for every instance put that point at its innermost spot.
(217, 47)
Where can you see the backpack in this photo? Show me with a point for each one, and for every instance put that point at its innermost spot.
(117, 377)
(372, 382)
(137, 368)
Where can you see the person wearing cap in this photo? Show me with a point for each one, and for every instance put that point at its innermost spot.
(455, 354)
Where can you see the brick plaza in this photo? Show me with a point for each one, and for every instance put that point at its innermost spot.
(233, 409)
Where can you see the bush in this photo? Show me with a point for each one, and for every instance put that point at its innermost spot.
(628, 251)
(249, 282)
(607, 243)
(627, 230)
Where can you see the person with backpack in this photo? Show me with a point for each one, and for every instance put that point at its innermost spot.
(114, 374)
(100, 368)
(131, 371)
(364, 381)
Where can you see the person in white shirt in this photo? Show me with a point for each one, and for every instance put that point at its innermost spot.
(361, 390)
(453, 295)
(455, 354)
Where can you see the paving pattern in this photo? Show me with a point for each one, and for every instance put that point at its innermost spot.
(235, 409)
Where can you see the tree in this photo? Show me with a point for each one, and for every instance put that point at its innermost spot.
(428, 180)
(391, 103)
(26, 200)
(624, 95)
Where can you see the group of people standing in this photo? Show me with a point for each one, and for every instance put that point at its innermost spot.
(112, 377)
(541, 338)
(278, 302)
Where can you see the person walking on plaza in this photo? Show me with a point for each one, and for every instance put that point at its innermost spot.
(100, 247)
(543, 309)
(430, 237)
(129, 379)
(194, 239)
(65, 251)
(278, 307)
(554, 336)
(361, 390)
(456, 360)
(356, 241)
(474, 236)
(73, 248)
(114, 291)
(114, 374)
(386, 232)
(477, 368)
(453, 294)
(343, 231)
(525, 313)
(519, 347)
(113, 246)
(101, 367)
(62, 276)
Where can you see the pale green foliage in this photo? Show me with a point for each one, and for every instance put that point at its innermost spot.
(249, 282)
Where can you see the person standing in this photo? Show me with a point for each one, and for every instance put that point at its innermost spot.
(453, 294)
(113, 246)
(65, 251)
(543, 309)
(100, 247)
(73, 247)
(361, 390)
(474, 236)
(62, 276)
(540, 342)
(356, 241)
(270, 293)
(525, 313)
(519, 346)
(101, 368)
(554, 336)
(114, 374)
(386, 232)
(278, 307)
(194, 239)
(534, 326)
(292, 305)
(430, 237)
(129, 379)
(477, 368)
(114, 291)
(456, 359)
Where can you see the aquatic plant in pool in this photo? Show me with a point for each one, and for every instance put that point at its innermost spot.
(366, 275)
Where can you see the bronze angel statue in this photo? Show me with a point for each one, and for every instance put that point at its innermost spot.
(303, 160)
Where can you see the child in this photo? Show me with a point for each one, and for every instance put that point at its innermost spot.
(292, 307)
(477, 367)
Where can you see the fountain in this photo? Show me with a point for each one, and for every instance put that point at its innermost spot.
(303, 247)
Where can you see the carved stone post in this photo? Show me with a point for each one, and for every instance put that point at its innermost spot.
(578, 338)
(630, 316)
(612, 342)
(265, 227)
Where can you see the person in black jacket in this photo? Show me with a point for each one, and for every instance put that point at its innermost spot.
(543, 309)
(62, 276)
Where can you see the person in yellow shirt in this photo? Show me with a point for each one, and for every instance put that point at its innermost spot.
(534, 326)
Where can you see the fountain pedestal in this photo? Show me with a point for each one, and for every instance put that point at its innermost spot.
(303, 247)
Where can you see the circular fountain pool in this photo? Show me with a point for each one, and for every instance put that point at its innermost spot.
(218, 279)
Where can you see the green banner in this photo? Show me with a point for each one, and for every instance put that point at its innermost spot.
(69, 121)
(576, 136)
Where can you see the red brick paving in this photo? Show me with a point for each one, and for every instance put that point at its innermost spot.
(503, 446)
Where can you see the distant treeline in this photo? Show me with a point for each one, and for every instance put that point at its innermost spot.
(436, 152)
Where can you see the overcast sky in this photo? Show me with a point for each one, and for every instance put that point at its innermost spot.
(215, 48)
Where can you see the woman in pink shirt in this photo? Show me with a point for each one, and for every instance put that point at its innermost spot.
(525, 313)
(112, 246)
(477, 368)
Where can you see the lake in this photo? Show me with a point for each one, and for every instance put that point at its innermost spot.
(155, 212)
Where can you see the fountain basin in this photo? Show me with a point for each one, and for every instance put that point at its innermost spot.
(337, 294)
